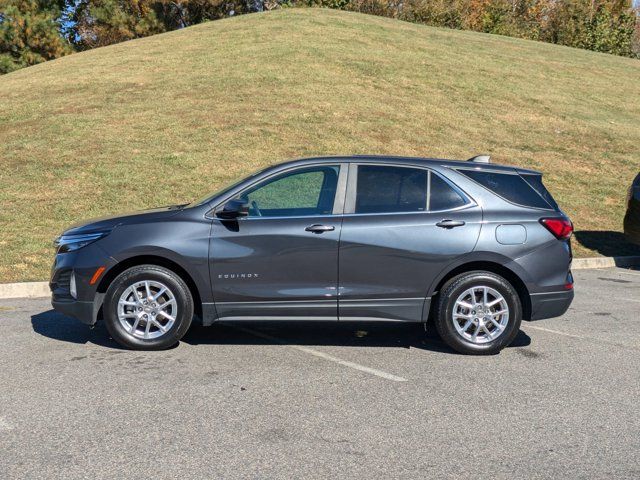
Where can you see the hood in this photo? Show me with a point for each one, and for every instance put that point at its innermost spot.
(109, 223)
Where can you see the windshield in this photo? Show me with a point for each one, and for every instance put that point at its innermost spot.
(209, 196)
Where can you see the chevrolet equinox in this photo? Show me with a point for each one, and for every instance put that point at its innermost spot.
(471, 246)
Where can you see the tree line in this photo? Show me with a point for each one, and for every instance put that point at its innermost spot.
(33, 31)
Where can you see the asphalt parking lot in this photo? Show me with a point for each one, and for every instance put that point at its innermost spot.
(326, 400)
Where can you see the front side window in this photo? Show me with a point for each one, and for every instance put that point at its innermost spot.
(390, 189)
(304, 192)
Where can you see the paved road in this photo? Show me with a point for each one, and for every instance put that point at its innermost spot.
(326, 401)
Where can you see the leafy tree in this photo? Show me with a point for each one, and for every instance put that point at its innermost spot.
(610, 31)
(440, 13)
(183, 13)
(30, 33)
(33, 31)
(103, 22)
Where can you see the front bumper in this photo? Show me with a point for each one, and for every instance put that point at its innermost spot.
(550, 304)
(83, 265)
(83, 311)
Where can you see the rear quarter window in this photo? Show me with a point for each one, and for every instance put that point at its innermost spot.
(510, 186)
(536, 183)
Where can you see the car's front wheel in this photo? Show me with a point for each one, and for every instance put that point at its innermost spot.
(478, 313)
(148, 307)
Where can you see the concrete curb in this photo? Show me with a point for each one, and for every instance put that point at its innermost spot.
(24, 290)
(604, 262)
(41, 289)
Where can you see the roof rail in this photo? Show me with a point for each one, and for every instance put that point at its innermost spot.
(480, 159)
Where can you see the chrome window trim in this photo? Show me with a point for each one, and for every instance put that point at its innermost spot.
(463, 207)
(250, 219)
(349, 215)
(349, 187)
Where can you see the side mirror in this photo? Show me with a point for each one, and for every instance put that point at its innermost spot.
(234, 209)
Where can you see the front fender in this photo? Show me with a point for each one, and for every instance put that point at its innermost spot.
(185, 244)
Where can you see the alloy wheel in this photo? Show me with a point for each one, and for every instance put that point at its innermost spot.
(147, 309)
(480, 314)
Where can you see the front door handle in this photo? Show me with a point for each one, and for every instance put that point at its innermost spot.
(320, 228)
(450, 223)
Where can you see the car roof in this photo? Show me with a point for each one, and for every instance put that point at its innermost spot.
(395, 159)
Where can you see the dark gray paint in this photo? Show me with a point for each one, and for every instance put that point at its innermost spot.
(369, 267)
(512, 234)
(280, 261)
(396, 256)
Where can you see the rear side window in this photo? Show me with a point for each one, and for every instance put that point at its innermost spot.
(389, 189)
(383, 189)
(510, 186)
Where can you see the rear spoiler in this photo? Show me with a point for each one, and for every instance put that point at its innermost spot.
(480, 159)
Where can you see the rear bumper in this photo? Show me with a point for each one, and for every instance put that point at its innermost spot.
(550, 304)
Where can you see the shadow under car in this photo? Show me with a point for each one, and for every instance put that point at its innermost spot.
(345, 334)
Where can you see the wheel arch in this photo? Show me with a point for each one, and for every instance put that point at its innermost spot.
(489, 265)
(167, 263)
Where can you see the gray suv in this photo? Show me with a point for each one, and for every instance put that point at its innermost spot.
(470, 246)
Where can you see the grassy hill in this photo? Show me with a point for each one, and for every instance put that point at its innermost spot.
(167, 118)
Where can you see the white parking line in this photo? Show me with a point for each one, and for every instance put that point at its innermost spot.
(636, 300)
(583, 337)
(552, 331)
(4, 425)
(635, 274)
(316, 353)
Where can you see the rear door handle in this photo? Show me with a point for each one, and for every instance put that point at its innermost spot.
(320, 228)
(450, 223)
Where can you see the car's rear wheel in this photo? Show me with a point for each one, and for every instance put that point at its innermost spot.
(148, 307)
(478, 313)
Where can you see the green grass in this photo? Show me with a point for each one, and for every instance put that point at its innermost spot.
(167, 118)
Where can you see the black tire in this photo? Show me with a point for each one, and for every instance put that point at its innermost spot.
(177, 287)
(446, 300)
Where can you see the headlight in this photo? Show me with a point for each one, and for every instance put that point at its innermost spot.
(70, 243)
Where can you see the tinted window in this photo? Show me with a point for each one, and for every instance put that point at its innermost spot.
(383, 189)
(536, 183)
(309, 191)
(442, 196)
(511, 187)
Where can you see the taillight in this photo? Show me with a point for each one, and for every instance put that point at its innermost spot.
(559, 227)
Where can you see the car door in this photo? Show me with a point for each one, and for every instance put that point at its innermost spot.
(281, 261)
(402, 225)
